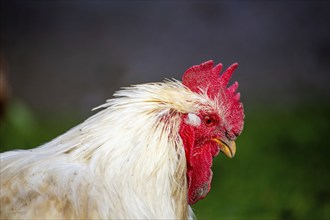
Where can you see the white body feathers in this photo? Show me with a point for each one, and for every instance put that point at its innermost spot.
(125, 162)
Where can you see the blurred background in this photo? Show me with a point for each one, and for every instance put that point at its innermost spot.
(59, 59)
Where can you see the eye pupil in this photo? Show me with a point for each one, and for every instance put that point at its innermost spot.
(208, 120)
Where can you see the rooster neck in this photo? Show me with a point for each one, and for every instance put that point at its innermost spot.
(125, 162)
(135, 140)
(153, 156)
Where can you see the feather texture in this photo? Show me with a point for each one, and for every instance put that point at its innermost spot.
(125, 162)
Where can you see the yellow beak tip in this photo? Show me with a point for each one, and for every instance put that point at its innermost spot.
(227, 148)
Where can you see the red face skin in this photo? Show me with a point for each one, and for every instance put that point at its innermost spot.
(200, 149)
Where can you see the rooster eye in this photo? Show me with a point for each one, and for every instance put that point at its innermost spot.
(208, 120)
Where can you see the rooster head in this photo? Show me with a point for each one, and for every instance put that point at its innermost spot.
(213, 128)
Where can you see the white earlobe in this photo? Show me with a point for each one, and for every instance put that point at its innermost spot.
(193, 119)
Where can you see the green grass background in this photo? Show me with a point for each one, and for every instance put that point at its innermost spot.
(281, 169)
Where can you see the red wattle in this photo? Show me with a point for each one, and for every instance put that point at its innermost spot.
(199, 161)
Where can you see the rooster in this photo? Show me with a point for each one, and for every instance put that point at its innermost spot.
(146, 155)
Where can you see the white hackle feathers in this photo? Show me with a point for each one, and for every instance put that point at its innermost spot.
(125, 162)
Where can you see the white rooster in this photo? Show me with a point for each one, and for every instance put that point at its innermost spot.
(146, 155)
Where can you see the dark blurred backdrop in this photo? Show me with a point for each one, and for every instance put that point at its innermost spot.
(62, 58)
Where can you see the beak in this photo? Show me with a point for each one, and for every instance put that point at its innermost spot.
(228, 148)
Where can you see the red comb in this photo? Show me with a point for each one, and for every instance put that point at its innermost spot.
(208, 78)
